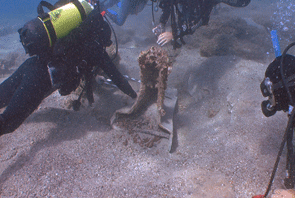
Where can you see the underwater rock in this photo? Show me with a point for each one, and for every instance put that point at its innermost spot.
(233, 36)
(146, 113)
(124, 35)
(220, 45)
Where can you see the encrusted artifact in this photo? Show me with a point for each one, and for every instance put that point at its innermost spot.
(146, 114)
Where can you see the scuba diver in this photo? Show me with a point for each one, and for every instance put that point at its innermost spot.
(58, 62)
(191, 14)
(118, 10)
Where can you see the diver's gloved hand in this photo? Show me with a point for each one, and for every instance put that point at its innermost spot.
(164, 38)
(159, 29)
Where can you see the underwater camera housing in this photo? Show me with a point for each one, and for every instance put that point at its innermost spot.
(279, 84)
(40, 34)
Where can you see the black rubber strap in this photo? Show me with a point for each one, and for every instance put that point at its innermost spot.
(44, 4)
(46, 20)
(81, 9)
(51, 31)
(290, 82)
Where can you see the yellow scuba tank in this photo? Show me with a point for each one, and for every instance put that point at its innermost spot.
(66, 18)
(42, 32)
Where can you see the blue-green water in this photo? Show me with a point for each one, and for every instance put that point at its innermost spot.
(13, 12)
(284, 17)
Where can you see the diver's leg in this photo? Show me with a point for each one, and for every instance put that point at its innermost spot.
(125, 11)
(10, 85)
(119, 12)
(34, 86)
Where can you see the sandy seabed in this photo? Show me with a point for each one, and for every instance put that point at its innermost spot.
(225, 147)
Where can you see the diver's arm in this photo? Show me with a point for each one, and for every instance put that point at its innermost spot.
(113, 73)
(165, 5)
(197, 19)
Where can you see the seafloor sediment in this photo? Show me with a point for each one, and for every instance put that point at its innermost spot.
(225, 145)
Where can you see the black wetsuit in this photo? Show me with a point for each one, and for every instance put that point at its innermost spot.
(187, 6)
(23, 91)
(190, 14)
(86, 44)
(31, 83)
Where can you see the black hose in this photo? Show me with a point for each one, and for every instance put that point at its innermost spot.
(289, 129)
(282, 72)
(116, 40)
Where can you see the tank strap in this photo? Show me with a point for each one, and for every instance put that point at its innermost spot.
(42, 4)
(80, 8)
(46, 20)
(45, 17)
